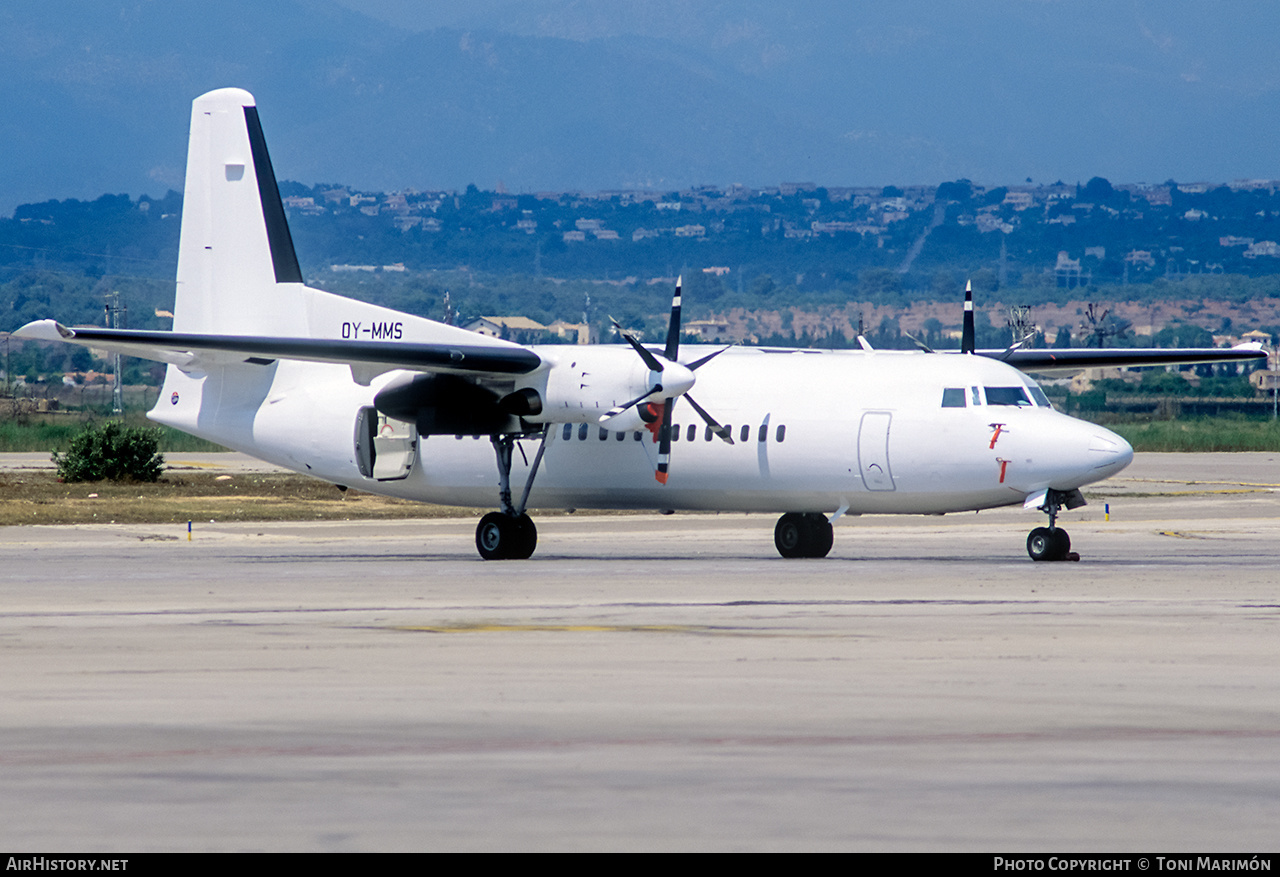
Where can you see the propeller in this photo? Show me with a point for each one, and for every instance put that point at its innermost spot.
(671, 381)
(966, 330)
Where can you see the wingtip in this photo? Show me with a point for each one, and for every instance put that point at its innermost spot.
(44, 330)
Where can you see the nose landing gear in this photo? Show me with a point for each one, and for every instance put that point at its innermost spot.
(1052, 542)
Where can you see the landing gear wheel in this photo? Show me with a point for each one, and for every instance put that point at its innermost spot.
(1046, 544)
(526, 538)
(803, 535)
(503, 537)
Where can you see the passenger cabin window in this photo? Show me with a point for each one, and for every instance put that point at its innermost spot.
(568, 431)
(582, 432)
(745, 434)
(781, 433)
(953, 397)
(1007, 396)
(693, 432)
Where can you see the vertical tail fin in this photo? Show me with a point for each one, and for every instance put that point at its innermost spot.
(237, 269)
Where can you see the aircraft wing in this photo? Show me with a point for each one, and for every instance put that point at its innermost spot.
(1074, 359)
(186, 350)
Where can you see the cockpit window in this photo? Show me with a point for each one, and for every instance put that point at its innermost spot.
(1007, 396)
(953, 397)
(1041, 399)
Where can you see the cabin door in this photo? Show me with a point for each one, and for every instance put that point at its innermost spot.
(873, 450)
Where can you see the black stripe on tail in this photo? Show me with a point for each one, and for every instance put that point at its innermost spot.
(283, 256)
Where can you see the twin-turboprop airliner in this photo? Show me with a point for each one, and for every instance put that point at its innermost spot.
(366, 397)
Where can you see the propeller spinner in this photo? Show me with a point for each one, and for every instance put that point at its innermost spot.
(671, 380)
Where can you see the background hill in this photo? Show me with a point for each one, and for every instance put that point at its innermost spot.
(572, 94)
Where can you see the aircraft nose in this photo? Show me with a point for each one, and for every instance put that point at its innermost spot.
(1109, 452)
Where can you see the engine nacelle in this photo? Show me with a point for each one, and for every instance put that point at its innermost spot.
(445, 405)
(583, 384)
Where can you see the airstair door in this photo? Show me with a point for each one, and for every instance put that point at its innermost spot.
(386, 449)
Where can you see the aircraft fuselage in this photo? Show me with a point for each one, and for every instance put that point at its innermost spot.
(814, 431)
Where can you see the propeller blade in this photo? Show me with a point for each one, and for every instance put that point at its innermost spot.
(614, 412)
(672, 351)
(649, 359)
(966, 330)
(918, 343)
(716, 428)
(693, 367)
(664, 443)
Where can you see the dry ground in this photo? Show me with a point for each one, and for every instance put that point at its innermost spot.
(37, 497)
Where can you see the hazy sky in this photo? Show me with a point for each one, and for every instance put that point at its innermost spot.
(592, 94)
(1136, 89)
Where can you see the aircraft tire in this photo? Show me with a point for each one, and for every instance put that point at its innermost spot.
(1046, 544)
(803, 535)
(789, 535)
(525, 538)
(821, 535)
(502, 537)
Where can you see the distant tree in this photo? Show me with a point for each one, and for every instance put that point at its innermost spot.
(880, 283)
(763, 286)
(985, 280)
(959, 190)
(1098, 190)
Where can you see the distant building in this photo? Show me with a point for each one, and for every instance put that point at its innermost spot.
(1262, 248)
(505, 327)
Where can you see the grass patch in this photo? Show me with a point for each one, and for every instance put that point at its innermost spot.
(39, 498)
(1201, 435)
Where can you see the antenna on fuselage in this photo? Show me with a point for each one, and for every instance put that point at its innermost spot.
(966, 328)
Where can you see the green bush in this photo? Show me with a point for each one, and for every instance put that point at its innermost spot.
(112, 452)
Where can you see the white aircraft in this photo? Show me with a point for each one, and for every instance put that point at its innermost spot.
(368, 397)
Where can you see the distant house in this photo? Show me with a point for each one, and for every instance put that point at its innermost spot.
(1262, 248)
(513, 328)
(709, 331)
(579, 333)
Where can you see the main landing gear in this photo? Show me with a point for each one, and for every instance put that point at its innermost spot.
(803, 535)
(509, 534)
(1052, 542)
